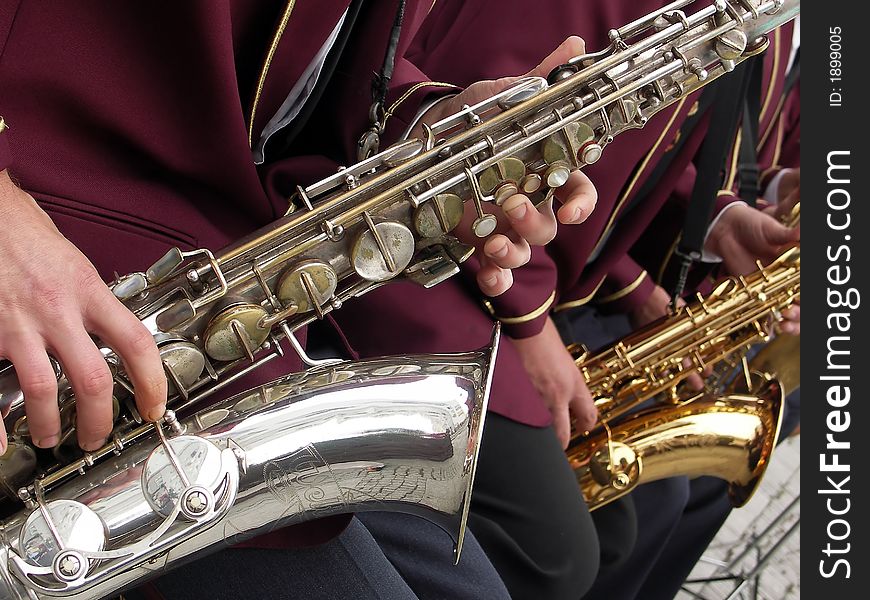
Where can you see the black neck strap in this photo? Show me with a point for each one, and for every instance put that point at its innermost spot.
(750, 188)
(710, 169)
(748, 173)
(370, 141)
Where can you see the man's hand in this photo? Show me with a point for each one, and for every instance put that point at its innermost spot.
(51, 299)
(521, 224)
(788, 194)
(744, 234)
(560, 383)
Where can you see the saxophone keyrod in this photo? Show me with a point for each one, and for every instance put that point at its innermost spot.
(556, 125)
(52, 479)
(277, 335)
(672, 345)
(674, 348)
(610, 409)
(645, 22)
(654, 41)
(402, 172)
(405, 172)
(229, 379)
(710, 35)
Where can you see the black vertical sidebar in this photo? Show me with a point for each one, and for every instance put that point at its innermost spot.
(835, 347)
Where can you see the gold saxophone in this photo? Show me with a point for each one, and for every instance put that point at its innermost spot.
(729, 436)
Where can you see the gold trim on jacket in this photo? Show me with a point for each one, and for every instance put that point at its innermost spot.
(581, 301)
(624, 291)
(409, 92)
(267, 64)
(636, 177)
(531, 316)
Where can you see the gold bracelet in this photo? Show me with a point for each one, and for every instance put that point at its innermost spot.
(3, 125)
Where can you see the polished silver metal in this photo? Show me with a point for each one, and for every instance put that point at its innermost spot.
(397, 434)
(644, 67)
(225, 303)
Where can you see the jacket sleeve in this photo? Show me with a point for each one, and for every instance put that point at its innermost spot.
(523, 309)
(626, 287)
(410, 89)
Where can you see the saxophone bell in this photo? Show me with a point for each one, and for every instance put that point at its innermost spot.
(393, 434)
(730, 437)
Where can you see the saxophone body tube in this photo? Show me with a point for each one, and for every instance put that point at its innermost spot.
(398, 434)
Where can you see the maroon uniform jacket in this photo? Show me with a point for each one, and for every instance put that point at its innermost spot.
(492, 39)
(132, 126)
(461, 43)
(778, 147)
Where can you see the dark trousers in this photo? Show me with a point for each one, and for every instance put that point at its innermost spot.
(529, 516)
(633, 530)
(658, 511)
(707, 507)
(350, 567)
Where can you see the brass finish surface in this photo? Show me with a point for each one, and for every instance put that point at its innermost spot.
(730, 437)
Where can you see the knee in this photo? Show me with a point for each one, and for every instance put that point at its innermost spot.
(574, 559)
(616, 524)
(662, 501)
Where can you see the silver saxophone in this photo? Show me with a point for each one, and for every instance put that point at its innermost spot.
(84, 524)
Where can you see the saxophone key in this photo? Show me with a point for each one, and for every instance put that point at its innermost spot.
(557, 175)
(56, 533)
(383, 250)
(441, 215)
(590, 152)
(507, 170)
(165, 266)
(184, 363)
(308, 285)
(236, 331)
(183, 470)
(531, 183)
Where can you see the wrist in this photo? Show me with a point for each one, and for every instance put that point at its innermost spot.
(8, 190)
(712, 252)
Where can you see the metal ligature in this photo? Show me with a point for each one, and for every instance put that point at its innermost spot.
(399, 433)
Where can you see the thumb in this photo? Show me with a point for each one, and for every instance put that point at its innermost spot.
(778, 234)
(571, 47)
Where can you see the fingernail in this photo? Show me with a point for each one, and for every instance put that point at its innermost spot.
(156, 413)
(501, 252)
(94, 445)
(49, 442)
(518, 212)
